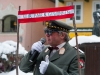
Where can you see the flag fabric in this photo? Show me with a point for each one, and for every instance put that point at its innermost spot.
(45, 14)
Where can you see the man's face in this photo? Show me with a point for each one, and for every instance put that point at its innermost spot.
(54, 38)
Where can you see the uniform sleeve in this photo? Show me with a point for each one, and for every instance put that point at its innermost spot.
(25, 65)
(54, 70)
(73, 69)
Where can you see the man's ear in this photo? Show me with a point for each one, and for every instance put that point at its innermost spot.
(63, 34)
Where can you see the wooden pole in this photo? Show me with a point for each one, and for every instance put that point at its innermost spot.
(78, 56)
(17, 45)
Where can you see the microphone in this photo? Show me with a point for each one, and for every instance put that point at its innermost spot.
(36, 53)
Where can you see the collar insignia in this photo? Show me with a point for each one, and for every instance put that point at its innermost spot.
(46, 50)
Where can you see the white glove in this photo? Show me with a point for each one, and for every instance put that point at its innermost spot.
(38, 46)
(44, 65)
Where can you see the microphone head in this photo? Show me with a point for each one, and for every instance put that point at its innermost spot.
(43, 40)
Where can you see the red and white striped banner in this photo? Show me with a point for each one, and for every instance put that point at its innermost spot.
(45, 14)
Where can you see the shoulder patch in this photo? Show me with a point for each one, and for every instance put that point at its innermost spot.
(82, 63)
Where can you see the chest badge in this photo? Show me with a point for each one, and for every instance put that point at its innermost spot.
(62, 51)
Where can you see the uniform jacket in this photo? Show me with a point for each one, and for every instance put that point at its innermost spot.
(65, 63)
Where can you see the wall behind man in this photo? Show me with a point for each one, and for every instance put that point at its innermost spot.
(29, 32)
(10, 7)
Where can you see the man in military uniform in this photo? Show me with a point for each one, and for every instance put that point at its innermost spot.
(58, 58)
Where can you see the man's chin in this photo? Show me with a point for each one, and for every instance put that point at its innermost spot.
(49, 43)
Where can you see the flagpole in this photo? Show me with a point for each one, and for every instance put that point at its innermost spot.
(17, 44)
(78, 56)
